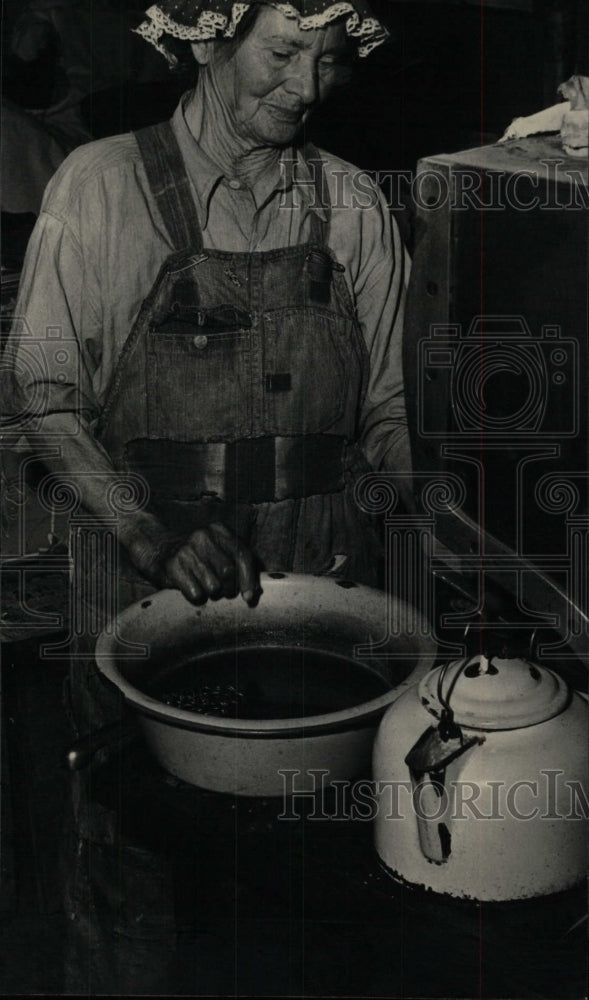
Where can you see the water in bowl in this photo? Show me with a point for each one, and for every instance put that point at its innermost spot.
(269, 682)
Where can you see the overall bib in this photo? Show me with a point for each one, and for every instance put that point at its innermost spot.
(237, 396)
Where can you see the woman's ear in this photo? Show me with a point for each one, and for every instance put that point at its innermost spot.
(202, 52)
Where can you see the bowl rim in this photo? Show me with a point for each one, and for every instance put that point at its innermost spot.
(357, 716)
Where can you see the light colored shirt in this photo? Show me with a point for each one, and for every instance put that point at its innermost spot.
(100, 241)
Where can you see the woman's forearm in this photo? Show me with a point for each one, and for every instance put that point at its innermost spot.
(82, 459)
(208, 563)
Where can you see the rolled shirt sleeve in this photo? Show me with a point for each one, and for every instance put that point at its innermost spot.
(366, 239)
(91, 260)
(57, 319)
(381, 312)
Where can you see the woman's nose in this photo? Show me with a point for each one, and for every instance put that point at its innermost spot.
(303, 82)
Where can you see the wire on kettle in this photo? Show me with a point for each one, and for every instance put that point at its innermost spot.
(448, 729)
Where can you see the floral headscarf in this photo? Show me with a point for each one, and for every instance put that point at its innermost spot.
(200, 20)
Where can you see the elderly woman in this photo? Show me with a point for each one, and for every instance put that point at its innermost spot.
(235, 308)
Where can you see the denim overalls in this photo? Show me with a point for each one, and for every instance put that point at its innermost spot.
(238, 393)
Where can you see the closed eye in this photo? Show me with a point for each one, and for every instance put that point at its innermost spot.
(338, 58)
(338, 68)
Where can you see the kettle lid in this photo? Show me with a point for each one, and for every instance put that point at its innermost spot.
(494, 693)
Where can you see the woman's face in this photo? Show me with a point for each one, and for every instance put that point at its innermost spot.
(278, 74)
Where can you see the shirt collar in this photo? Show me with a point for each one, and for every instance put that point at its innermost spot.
(292, 172)
(204, 174)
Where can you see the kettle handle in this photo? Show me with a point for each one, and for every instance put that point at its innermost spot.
(428, 761)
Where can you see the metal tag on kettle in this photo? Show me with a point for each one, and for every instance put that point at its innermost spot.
(431, 754)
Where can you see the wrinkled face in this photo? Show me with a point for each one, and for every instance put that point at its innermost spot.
(278, 74)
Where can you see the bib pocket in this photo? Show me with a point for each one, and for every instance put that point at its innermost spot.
(198, 380)
(307, 358)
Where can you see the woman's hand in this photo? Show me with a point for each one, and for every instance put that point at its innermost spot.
(211, 563)
(214, 563)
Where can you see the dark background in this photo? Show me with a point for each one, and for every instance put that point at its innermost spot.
(453, 76)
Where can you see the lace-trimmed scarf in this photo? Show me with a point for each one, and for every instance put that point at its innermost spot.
(200, 20)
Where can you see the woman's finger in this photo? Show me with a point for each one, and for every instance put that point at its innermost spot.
(198, 560)
(247, 580)
(179, 578)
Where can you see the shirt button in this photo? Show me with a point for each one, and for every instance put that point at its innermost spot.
(200, 341)
(235, 185)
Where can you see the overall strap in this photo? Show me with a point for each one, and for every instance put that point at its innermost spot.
(316, 164)
(170, 185)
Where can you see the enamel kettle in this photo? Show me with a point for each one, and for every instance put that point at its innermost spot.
(481, 781)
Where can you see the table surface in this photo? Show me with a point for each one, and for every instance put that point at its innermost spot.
(541, 154)
(324, 875)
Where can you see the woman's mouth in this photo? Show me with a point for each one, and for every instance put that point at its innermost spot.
(292, 117)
